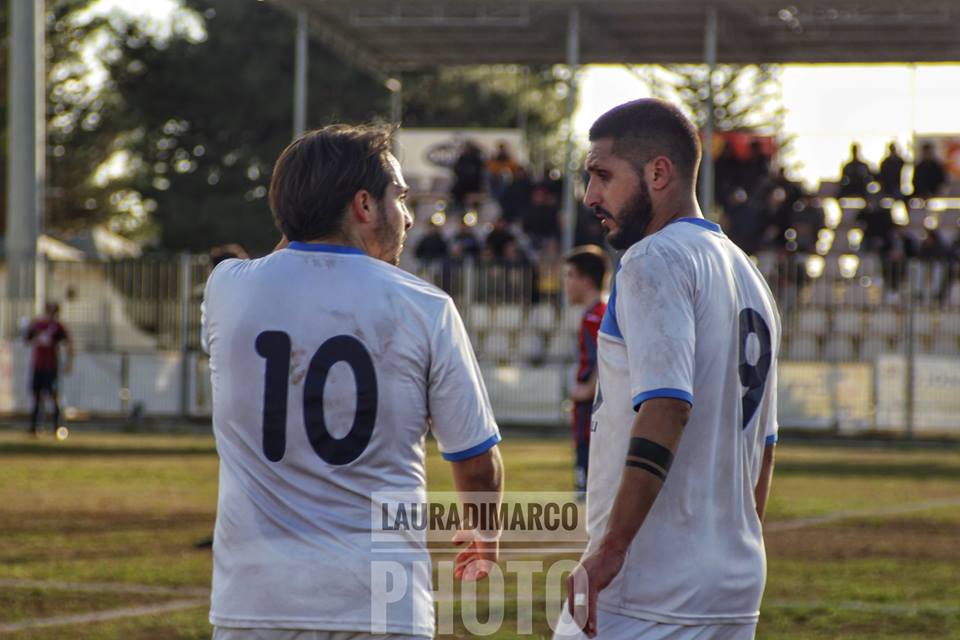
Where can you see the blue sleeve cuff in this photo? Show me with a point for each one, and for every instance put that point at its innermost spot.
(473, 451)
(676, 394)
(771, 440)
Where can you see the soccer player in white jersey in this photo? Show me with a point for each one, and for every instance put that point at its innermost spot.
(687, 390)
(328, 366)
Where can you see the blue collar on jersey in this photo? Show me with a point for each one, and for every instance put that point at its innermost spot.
(324, 248)
(701, 222)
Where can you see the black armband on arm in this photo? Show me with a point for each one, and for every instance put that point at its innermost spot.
(649, 456)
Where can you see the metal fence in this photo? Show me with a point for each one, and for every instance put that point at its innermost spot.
(867, 345)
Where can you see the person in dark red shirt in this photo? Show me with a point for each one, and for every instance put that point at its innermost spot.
(45, 334)
(584, 271)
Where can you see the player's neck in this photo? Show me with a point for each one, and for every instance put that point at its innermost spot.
(685, 207)
(592, 299)
(341, 240)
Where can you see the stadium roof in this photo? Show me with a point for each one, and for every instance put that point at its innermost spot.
(404, 34)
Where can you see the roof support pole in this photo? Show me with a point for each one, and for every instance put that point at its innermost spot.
(395, 86)
(569, 163)
(706, 165)
(26, 168)
(300, 64)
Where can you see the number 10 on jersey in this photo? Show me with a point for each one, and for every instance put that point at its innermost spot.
(275, 348)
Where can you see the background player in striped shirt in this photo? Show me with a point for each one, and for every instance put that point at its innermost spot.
(584, 270)
(45, 335)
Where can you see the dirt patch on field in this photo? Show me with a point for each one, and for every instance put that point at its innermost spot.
(898, 538)
(78, 522)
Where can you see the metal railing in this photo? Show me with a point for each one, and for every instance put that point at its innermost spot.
(867, 345)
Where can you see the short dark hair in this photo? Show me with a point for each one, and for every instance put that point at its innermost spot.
(589, 260)
(644, 129)
(318, 174)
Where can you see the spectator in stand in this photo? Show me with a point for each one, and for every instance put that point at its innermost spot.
(757, 168)
(451, 273)
(583, 274)
(466, 241)
(928, 174)
(935, 251)
(855, 176)
(898, 250)
(468, 175)
(589, 229)
(877, 224)
(728, 172)
(501, 170)
(515, 201)
(432, 246)
(891, 170)
(45, 335)
(498, 238)
(542, 221)
(807, 220)
(522, 278)
(793, 190)
(743, 221)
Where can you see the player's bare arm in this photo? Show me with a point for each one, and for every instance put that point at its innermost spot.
(584, 391)
(653, 442)
(762, 492)
(480, 474)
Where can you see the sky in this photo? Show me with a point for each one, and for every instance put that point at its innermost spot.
(828, 108)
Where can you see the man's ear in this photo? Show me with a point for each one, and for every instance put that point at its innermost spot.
(661, 173)
(362, 206)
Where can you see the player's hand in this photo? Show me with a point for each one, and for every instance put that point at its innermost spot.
(588, 579)
(476, 559)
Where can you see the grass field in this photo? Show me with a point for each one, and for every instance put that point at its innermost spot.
(862, 542)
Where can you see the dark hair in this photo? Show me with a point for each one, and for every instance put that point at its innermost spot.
(318, 174)
(644, 129)
(589, 260)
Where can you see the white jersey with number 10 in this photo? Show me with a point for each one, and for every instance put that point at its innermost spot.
(327, 367)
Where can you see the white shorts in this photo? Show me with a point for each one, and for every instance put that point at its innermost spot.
(613, 626)
(232, 633)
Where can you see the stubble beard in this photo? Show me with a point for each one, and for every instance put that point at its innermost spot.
(637, 214)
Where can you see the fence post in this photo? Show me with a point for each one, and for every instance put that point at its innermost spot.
(911, 354)
(125, 383)
(186, 293)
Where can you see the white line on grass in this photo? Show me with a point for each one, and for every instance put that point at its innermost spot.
(103, 616)
(103, 587)
(799, 523)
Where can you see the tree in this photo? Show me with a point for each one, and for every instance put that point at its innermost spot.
(168, 131)
(745, 97)
(206, 120)
(208, 129)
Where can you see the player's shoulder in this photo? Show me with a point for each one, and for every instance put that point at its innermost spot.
(675, 244)
(225, 269)
(410, 284)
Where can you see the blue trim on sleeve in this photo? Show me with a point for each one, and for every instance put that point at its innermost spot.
(608, 324)
(771, 440)
(701, 222)
(676, 394)
(324, 248)
(474, 451)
